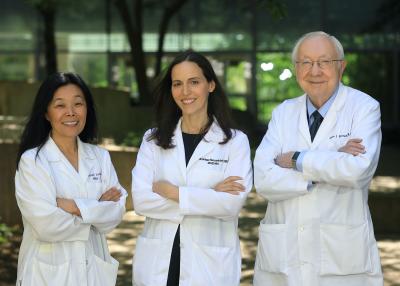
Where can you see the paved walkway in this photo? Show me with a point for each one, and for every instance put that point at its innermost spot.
(122, 243)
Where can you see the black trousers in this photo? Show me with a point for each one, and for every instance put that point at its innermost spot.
(174, 263)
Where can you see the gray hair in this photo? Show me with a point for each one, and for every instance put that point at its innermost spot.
(338, 46)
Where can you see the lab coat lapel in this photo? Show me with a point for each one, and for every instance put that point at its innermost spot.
(330, 118)
(55, 156)
(85, 156)
(207, 144)
(302, 120)
(87, 160)
(177, 140)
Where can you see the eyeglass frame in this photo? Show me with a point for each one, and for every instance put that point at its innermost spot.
(327, 62)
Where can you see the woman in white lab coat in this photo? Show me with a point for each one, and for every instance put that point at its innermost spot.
(67, 191)
(191, 178)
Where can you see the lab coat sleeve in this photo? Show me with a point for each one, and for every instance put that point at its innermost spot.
(271, 181)
(36, 197)
(342, 169)
(208, 202)
(104, 215)
(145, 201)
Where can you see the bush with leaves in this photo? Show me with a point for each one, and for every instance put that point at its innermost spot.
(5, 233)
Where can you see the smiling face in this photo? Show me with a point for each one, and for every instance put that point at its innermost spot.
(190, 89)
(319, 84)
(66, 112)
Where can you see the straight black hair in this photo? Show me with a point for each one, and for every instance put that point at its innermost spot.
(168, 112)
(37, 128)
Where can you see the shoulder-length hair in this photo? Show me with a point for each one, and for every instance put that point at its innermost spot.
(168, 112)
(38, 127)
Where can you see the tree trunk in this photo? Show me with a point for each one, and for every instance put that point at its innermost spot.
(169, 11)
(50, 48)
(134, 31)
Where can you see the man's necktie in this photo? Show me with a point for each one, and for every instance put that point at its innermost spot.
(316, 123)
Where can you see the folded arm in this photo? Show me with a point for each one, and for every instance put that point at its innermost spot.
(145, 201)
(341, 167)
(273, 182)
(107, 212)
(226, 199)
(36, 197)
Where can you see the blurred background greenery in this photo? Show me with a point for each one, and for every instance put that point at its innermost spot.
(121, 44)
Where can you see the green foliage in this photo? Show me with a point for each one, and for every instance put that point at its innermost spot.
(372, 73)
(265, 110)
(14, 67)
(271, 90)
(93, 68)
(42, 4)
(5, 233)
(276, 8)
(236, 80)
(238, 103)
(269, 85)
(133, 139)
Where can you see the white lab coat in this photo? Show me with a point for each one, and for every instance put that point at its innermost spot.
(210, 249)
(59, 248)
(322, 236)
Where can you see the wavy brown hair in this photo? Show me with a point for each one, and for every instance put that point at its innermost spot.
(168, 112)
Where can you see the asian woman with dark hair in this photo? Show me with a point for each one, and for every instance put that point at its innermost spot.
(192, 175)
(38, 127)
(66, 189)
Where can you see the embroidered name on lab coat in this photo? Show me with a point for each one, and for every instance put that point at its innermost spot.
(340, 135)
(211, 161)
(95, 177)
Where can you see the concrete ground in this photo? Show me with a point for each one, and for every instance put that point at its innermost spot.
(122, 244)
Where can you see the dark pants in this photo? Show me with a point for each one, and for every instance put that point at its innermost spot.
(174, 264)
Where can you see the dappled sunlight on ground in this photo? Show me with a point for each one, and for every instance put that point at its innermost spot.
(389, 248)
(122, 242)
(385, 184)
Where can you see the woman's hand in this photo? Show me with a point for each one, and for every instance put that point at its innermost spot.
(69, 206)
(112, 195)
(166, 190)
(230, 185)
(353, 147)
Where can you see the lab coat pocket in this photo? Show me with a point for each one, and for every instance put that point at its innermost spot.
(48, 275)
(102, 273)
(215, 266)
(344, 249)
(151, 261)
(271, 252)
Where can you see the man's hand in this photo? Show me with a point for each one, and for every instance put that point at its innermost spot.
(112, 194)
(284, 160)
(230, 186)
(353, 147)
(166, 190)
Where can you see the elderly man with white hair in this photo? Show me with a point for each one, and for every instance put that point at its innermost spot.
(314, 167)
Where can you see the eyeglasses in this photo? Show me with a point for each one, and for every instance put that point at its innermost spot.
(322, 64)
